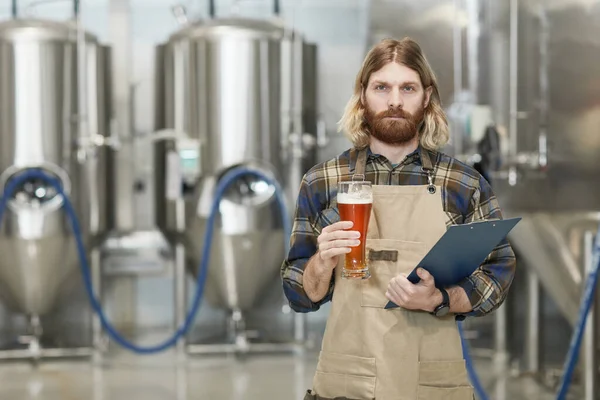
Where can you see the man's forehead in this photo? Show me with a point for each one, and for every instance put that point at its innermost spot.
(394, 73)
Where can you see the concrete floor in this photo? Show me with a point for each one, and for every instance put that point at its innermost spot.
(272, 377)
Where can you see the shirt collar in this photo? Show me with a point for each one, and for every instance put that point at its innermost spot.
(415, 156)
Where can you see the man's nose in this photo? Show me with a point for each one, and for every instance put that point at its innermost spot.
(395, 100)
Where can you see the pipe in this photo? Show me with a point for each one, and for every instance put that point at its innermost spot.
(75, 8)
(457, 56)
(533, 329)
(211, 9)
(544, 88)
(14, 9)
(82, 117)
(276, 7)
(513, 90)
(224, 183)
(473, 41)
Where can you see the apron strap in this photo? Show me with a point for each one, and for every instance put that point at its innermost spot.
(359, 169)
(361, 163)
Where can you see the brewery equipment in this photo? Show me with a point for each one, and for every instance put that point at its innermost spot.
(54, 116)
(233, 92)
(533, 66)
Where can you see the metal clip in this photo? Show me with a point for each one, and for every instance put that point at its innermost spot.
(430, 186)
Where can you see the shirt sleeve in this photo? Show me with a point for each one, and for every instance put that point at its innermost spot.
(488, 286)
(303, 245)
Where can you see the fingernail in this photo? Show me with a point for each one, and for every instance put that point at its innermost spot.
(356, 242)
(356, 234)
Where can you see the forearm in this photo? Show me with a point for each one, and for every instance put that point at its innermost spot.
(459, 301)
(316, 279)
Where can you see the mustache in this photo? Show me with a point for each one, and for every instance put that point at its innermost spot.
(397, 113)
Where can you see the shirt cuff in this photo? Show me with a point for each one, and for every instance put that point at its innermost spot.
(469, 287)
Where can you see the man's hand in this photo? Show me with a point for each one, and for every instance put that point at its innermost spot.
(422, 296)
(334, 241)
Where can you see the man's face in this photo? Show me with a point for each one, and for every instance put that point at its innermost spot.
(394, 103)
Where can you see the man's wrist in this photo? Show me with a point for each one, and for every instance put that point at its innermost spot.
(322, 267)
(436, 300)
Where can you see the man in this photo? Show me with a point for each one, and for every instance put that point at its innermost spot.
(396, 124)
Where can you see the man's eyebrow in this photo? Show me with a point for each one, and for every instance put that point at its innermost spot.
(380, 82)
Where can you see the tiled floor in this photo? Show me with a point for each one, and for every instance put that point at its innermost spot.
(223, 378)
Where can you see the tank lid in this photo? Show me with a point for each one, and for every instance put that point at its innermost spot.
(38, 29)
(232, 26)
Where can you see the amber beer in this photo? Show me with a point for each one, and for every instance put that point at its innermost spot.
(355, 200)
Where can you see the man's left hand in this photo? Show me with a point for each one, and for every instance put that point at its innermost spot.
(422, 296)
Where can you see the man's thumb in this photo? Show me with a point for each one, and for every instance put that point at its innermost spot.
(423, 274)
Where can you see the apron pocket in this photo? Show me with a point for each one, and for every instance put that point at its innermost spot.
(313, 396)
(436, 393)
(387, 259)
(345, 376)
(446, 380)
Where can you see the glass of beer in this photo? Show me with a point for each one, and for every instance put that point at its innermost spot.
(355, 200)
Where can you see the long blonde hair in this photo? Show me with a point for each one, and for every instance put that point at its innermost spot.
(434, 130)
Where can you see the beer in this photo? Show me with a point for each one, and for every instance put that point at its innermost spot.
(355, 201)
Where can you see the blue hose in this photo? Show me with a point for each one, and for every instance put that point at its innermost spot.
(574, 347)
(477, 386)
(588, 298)
(224, 183)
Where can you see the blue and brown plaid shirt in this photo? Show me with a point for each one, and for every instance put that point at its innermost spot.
(466, 197)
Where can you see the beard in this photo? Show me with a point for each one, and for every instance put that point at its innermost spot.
(394, 131)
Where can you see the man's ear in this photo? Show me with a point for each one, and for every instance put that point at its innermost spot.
(428, 92)
(362, 95)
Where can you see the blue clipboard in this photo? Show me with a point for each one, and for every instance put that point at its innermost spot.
(461, 250)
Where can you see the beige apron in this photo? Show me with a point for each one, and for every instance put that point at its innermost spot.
(369, 352)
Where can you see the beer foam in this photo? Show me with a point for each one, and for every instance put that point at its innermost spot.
(347, 198)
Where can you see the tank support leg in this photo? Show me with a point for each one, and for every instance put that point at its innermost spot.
(36, 331)
(180, 298)
(99, 342)
(237, 331)
(591, 342)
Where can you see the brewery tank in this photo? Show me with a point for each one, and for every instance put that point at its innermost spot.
(41, 127)
(234, 92)
(546, 109)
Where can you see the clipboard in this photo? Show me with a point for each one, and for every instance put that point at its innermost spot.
(461, 250)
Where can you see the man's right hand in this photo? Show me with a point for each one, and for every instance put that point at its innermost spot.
(334, 241)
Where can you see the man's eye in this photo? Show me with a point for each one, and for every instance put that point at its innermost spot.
(409, 89)
(380, 87)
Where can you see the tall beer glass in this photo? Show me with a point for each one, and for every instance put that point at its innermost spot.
(355, 200)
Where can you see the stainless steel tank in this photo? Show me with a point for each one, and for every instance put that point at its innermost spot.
(234, 92)
(545, 54)
(538, 62)
(41, 127)
(533, 63)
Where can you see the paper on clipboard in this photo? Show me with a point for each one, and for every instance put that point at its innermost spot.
(461, 250)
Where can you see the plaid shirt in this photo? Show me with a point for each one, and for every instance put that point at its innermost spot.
(466, 197)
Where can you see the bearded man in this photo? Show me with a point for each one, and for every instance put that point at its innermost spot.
(397, 126)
